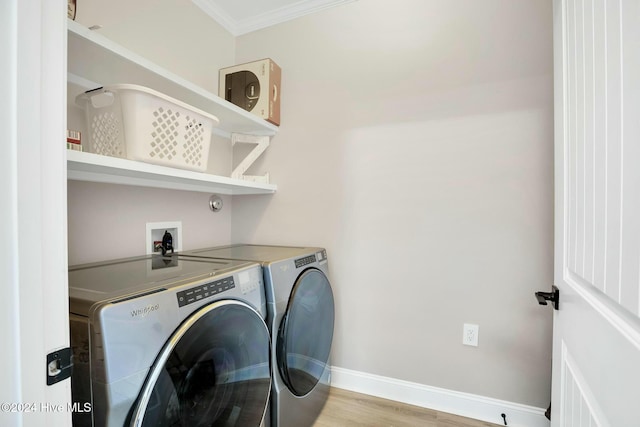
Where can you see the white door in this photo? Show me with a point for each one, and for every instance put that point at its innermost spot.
(596, 348)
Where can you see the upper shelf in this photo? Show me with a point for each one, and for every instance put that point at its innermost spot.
(91, 167)
(98, 59)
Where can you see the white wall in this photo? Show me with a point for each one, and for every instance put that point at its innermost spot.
(174, 34)
(109, 221)
(416, 145)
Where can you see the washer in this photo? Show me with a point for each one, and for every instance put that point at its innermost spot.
(164, 341)
(300, 309)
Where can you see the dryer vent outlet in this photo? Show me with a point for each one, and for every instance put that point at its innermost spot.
(155, 233)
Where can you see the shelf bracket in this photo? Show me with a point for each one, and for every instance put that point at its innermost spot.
(262, 142)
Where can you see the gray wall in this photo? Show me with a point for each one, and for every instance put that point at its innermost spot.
(416, 146)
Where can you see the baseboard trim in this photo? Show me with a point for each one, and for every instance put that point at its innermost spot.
(453, 402)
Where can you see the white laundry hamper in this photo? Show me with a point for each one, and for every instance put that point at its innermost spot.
(139, 123)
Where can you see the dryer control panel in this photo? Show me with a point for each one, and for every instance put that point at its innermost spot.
(320, 257)
(301, 262)
(198, 293)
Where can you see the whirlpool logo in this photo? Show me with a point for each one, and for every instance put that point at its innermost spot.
(141, 312)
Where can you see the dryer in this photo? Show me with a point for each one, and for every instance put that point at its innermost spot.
(301, 312)
(164, 341)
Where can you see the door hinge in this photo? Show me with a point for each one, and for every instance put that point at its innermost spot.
(59, 365)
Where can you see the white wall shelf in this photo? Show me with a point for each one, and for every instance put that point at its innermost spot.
(94, 60)
(98, 59)
(91, 167)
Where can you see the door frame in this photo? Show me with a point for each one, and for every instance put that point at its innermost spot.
(33, 269)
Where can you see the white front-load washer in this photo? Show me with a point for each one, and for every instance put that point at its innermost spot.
(169, 341)
(301, 312)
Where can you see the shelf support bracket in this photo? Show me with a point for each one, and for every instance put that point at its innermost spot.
(262, 142)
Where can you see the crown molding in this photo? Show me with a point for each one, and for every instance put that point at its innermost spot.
(216, 12)
(264, 20)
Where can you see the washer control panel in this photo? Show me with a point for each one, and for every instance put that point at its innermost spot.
(198, 293)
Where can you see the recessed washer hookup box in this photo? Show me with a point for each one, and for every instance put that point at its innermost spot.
(255, 87)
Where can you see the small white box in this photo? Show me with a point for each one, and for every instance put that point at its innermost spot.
(74, 140)
(255, 87)
(139, 123)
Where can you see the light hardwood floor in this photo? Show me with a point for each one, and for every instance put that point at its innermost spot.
(346, 409)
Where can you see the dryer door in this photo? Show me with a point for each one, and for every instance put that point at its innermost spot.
(214, 371)
(306, 332)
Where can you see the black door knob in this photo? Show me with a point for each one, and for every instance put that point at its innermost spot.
(553, 296)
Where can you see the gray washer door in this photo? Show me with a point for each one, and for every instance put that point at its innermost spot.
(305, 333)
(214, 371)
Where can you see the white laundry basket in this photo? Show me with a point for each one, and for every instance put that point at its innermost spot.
(139, 123)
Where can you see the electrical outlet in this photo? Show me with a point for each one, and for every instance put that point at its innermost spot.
(470, 334)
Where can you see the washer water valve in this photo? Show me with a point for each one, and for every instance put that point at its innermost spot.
(167, 242)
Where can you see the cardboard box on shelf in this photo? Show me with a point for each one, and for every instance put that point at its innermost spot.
(255, 87)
